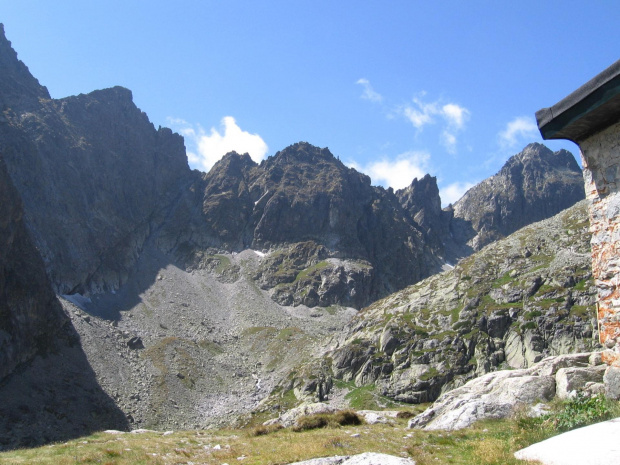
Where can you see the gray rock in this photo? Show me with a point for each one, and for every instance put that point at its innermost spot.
(289, 417)
(592, 445)
(373, 417)
(522, 192)
(494, 395)
(595, 359)
(572, 379)
(549, 366)
(611, 379)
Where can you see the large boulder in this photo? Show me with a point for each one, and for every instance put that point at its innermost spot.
(290, 417)
(595, 445)
(498, 394)
(572, 379)
(494, 395)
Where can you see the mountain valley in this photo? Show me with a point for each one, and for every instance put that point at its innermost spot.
(138, 293)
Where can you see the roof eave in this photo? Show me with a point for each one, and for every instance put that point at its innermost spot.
(588, 110)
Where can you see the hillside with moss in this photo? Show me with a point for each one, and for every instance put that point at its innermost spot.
(508, 306)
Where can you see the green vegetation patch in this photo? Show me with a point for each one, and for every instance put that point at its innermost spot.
(311, 270)
(582, 311)
(492, 442)
(327, 420)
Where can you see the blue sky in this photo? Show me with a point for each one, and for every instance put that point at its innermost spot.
(395, 88)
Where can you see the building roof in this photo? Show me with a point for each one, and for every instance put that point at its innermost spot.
(590, 109)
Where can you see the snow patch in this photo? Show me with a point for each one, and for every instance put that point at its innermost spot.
(447, 266)
(78, 300)
(261, 198)
(259, 253)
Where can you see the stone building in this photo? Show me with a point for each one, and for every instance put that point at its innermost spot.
(590, 117)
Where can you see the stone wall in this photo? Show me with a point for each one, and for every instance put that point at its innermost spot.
(601, 162)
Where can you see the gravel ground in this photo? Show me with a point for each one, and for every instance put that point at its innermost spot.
(209, 349)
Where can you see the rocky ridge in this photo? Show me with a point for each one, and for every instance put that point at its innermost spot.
(532, 185)
(511, 304)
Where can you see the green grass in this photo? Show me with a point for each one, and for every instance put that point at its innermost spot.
(485, 443)
(311, 270)
(505, 279)
(582, 311)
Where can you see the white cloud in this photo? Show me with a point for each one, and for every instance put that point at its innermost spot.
(522, 127)
(422, 113)
(454, 192)
(396, 173)
(448, 140)
(455, 114)
(369, 93)
(208, 148)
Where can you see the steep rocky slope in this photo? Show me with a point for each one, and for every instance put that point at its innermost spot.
(30, 315)
(195, 347)
(92, 172)
(516, 301)
(48, 390)
(533, 185)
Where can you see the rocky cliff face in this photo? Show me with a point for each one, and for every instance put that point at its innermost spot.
(422, 202)
(509, 305)
(304, 197)
(91, 171)
(30, 315)
(19, 88)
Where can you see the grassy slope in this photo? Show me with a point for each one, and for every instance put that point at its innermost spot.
(486, 443)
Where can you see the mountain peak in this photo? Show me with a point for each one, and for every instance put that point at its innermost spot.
(534, 184)
(304, 152)
(538, 156)
(18, 88)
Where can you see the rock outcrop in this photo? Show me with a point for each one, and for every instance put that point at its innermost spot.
(421, 200)
(500, 394)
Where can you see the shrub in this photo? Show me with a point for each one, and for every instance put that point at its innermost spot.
(308, 422)
(347, 417)
(262, 430)
(582, 411)
(322, 420)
